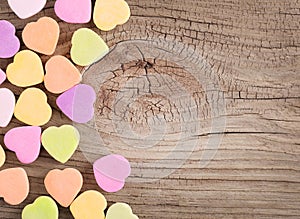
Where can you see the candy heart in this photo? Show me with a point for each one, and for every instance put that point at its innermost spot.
(120, 210)
(2, 76)
(42, 208)
(63, 185)
(9, 43)
(7, 106)
(14, 185)
(89, 205)
(41, 36)
(26, 8)
(77, 103)
(32, 107)
(87, 47)
(26, 70)
(111, 171)
(108, 14)
(2, 156)
(74, 11)
(61, 75)
(62, 142)
(25, 142)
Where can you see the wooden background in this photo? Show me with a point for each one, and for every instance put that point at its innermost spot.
(254, 49)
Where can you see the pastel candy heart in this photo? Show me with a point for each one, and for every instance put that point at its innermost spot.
(111, 171)
(25, 142)
(120, 210)
(9, 43)
(41, 36)
(32, 107)
(26, 8)
(26, 70)
(2, 76)
(77, 103)
(61, 75)
(42, 208)
(74, 11)
(108, 14)
(89, 205)
(14, 185)
(7, 106)
(87, 47)
(2, 156)
(63, 185)
(62, 142)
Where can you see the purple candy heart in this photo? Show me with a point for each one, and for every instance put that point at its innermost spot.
(77, 103)
(111, 172)
(9, 43)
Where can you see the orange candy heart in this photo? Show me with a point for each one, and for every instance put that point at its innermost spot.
(61, 75)
(63, 185)
(41, 36)
(14, 185)
(89, 205)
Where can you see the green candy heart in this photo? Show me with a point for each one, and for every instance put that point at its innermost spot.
(43, 207)
(61, 143)
(87, 47)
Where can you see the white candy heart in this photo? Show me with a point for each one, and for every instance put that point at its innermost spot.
(7, 106)
(26, 8)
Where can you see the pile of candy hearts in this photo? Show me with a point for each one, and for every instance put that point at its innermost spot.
(76, 101)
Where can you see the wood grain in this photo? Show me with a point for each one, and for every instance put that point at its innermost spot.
(252, 47)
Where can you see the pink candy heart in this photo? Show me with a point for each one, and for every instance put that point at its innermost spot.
(25, 142)
(77, 103)
(26, 8)
(111, 171)
(9, 43)
(7, 106)
(2, 76)
(74, 11)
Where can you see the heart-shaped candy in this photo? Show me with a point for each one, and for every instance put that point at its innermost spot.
(74, 11)
(25, 142)
(7, 106)
(26, 70)
(111, 171)
(2, 76)
(26, 8)
(89, 205)
(9, 43)
(32, 107)
(61, 75)
(120, 210)
(77, 103)
(41, 36)
(43, 207)
(87, 47)
(14, 185)
(108, 14)
(63, 185)
(62, 142)
(2, 156)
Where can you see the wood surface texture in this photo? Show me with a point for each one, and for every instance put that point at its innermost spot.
(252, 55)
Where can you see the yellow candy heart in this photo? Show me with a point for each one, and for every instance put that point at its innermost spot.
(87, 47)
(120, 210)
(32, 107)
(26, 70)
(2, 156)
(89, 205)
(110, 13)
(62, 142)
